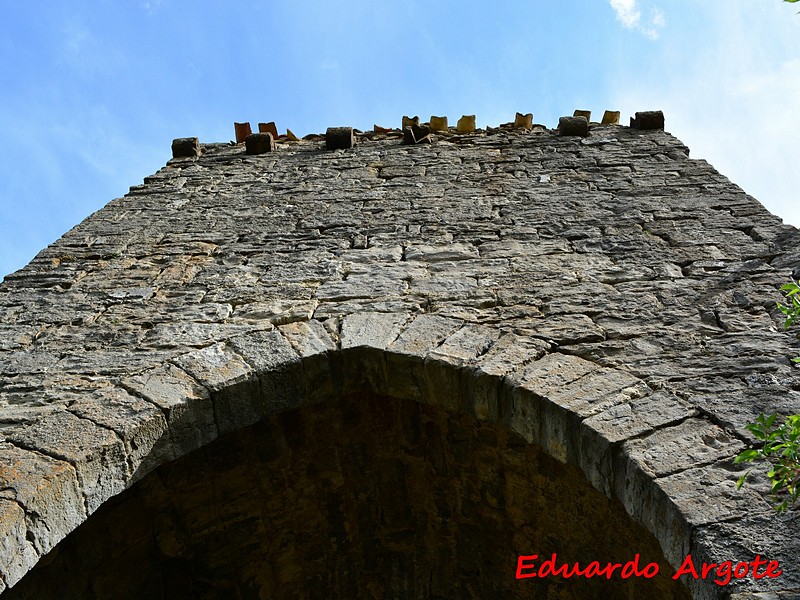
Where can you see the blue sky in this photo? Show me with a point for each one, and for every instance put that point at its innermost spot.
(93, 92)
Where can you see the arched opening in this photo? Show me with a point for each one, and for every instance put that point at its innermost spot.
(361, 496)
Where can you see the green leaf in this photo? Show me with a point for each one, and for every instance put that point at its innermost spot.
(740, 481)
(746, 456)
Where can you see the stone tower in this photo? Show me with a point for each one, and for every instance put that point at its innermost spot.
(390, 364)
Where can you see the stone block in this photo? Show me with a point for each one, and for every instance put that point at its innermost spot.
(139, 424)
(186, 405)
(372, 329)
(259, 143)
(587, 114)
(308, 338)
(509, 353)
(610, 117)
(48, 490)
(185, 147)
(481, 394)
(602, 433)
(441, 382)
(769, 535)
(466, 344)
(410, 121)
(414, 134)
(339, 138)
(653, 119)
(520, 411)
(215, 367)
(235, 390)
(278, 367)
(438, 123)
(268, 128)
(17, 554)
(697, 497)
(574, 126)
(424, 334)
(242, 130)
(97, 453)
(523, 121)
(466, 124)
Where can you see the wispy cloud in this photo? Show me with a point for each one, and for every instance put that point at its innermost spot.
(629, 14)
(151, 6)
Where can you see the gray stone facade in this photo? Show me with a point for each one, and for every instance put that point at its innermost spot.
(605, 298)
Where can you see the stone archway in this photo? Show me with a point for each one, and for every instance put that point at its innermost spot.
(358, 497)
(604, 298)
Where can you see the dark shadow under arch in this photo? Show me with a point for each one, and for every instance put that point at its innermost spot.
(361, 496)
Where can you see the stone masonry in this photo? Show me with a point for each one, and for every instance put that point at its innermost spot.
(602, 298)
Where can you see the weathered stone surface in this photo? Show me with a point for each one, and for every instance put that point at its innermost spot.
(438, 123)
(524, 121)
(140, 425)
(185, 403)
(466, 124)
(259, 143)
(571, 126)
(17, 554)
(605, 297)
(185, 147)
(96, 452)
(47, 490)
(339, 138)
(653, 119)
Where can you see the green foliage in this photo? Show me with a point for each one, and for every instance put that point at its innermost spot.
(792, 309)
(781, 442)
(782, 449)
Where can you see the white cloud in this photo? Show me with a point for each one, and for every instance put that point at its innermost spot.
(629, 14)
(731, 104)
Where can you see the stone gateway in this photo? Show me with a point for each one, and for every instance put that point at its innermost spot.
(361, 366)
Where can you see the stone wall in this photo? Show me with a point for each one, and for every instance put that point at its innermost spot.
(604, 298)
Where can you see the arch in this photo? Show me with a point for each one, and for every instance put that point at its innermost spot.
(454, 367)
(603, 421)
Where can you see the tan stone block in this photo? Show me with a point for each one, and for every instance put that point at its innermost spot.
(438, 123)
(587, 114)
(466, 124)
(524, 121)
(610, 117)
